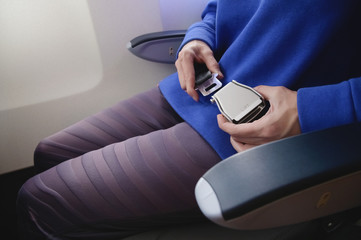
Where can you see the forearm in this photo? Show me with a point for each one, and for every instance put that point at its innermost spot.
(205, 29)
(330, 105)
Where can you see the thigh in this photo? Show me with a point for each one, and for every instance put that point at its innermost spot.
(144, 182)
(139, 115)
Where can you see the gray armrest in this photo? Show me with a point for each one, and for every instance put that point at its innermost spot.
(158, 47)
(285, 182)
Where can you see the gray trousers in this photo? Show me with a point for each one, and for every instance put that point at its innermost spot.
(130, 168)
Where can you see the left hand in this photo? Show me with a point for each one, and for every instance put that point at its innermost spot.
(280, 121)
(193, 52)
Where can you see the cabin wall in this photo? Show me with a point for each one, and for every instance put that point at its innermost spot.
(63, 60)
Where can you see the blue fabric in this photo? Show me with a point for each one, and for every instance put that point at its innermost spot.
(312, 46)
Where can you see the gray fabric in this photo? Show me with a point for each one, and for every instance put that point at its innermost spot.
(133, 168)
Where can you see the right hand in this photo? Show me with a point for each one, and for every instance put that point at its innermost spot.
(194, 52)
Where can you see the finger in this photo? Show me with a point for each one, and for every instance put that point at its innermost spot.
(180, 74)
(191, 91)
(189, 80)
(239, 146)
(221, 120)
(186, 74)
(244, 129)
(185, 70)
(212, 64)
(226, 125)
(250, 133)
(265, 91)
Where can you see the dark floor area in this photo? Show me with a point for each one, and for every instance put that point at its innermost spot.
(10, 184)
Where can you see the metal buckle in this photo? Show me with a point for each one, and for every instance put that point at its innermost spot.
(210, 85)
(240, 103)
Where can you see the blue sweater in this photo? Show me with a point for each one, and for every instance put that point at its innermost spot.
(312, 46)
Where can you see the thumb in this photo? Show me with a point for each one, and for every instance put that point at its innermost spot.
(264, 91)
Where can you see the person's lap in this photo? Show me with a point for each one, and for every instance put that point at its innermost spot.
(133, 167)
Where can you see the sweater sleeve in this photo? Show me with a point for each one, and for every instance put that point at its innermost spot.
(330, 105)
(205, 29)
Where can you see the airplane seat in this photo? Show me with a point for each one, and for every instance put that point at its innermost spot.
(296, 179)
(300, 186)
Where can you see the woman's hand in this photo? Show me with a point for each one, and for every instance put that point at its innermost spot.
(194, 52)
(280, 121)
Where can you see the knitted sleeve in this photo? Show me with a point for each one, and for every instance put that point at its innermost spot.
(329, 105)
(205, 29)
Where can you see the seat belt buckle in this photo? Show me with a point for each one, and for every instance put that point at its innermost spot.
(206, 82)
(240, 103)
(237, 102)
(210, 85)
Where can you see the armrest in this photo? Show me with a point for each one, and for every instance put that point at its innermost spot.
(285, 182)
(158, 47)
